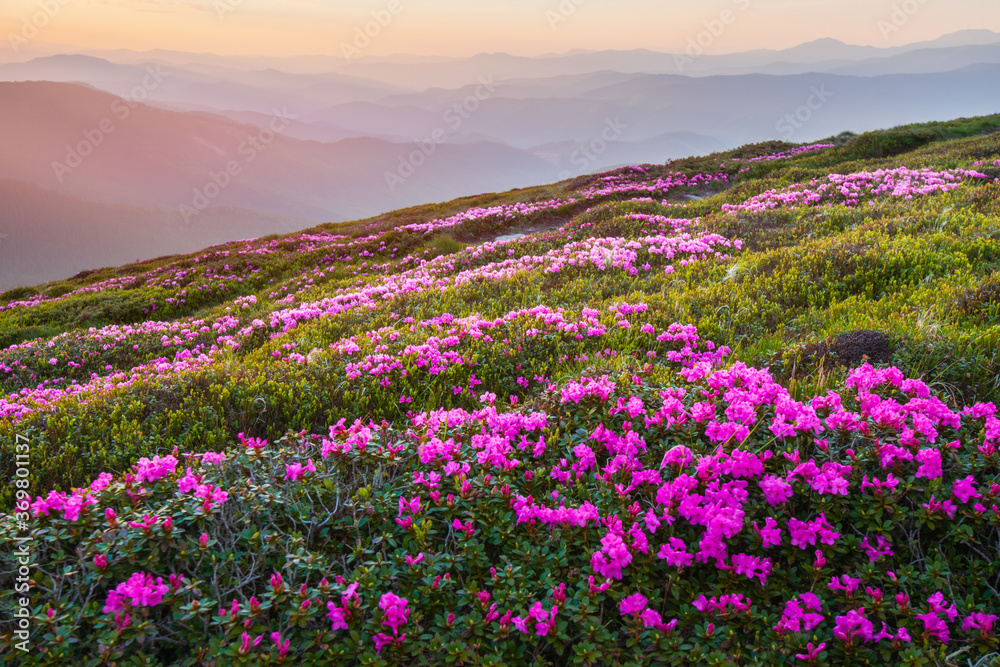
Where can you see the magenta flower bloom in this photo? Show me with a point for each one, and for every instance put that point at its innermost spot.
(979, 622)
(633, 605)
(770, 534)
(675, 553)
(797, 616)
(282, 646)
(934, 626)
(965, 489)
(752, 567)
(812, 652)
(613, 556)
(930, 464)
(395, 611)
(853, 626)
(139, 591)
(338, 616)
(295, 470)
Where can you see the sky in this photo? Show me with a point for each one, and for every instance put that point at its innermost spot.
(466, 27)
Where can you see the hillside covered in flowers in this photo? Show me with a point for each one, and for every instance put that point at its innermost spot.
(731, 410)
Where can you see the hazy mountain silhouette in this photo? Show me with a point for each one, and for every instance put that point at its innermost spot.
(49, 236)
(155, 157)
(206, 148)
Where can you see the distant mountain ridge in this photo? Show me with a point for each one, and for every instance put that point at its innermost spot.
(207, 140)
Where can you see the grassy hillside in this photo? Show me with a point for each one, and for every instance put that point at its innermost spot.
(735, 409)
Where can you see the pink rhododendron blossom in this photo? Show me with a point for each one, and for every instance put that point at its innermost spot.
(965, 489)
(632, 605)
(141, 590)
(930, 463)
(395, 611)
(853, 626)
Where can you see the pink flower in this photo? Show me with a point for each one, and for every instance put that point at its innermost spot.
(282, 647)
(633, 605)
(150, 470)
(252, 444)
(884, 548)
(613, 556)
(652, 619)
(844, 583)
(139, 591)
(675, 553)
(295, 470)
(812, 652)
(752, 567)
(395, 611)
(935, 507)
(940, 606)
(930, 463)
(798, 616)
(382, 640)
(979, 622)
(338, 616)
(965, 489)
(770, 534)
(934, 626)
(805, 533)
(853, 626)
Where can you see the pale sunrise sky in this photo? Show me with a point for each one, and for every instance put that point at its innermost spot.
(465, 27)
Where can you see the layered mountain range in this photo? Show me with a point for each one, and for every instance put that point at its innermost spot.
(113, 156)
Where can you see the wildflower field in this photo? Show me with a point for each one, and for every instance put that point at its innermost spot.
(732, 410)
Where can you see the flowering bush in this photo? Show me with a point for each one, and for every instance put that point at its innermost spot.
(584, 446)
(700, 502)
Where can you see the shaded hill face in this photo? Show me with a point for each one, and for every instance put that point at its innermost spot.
(87, 143)
(49, 236)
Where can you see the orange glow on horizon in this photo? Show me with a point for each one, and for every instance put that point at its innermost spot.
(451, 28)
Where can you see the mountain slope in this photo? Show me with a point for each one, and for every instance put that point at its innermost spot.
(734, 409)
(50, 236)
